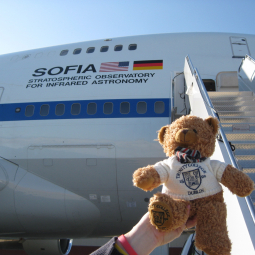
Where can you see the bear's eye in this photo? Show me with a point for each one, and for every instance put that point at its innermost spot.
(195, 131)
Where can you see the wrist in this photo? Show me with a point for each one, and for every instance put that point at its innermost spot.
(141, 239)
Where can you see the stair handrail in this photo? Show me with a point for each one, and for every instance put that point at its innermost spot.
(248, 57)
(208, 101)
(248, 75)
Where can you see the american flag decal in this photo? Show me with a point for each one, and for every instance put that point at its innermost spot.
(114, 66)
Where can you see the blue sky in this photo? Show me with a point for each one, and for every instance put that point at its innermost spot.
(31, 24)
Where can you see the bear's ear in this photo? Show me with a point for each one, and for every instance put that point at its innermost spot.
(161, 134)
(214, 123)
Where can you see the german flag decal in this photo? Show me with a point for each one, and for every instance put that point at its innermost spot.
(148, 65)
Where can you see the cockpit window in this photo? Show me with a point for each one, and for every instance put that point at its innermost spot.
(118, 47)
(63, 52)
(77, 51)
(90, 50)
(104, 48)
(132, 46)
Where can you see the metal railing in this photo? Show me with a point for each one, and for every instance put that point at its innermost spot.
(208, 102)
(246, 74)
(246, 57)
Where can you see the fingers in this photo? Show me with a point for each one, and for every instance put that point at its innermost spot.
(191, 222)
(179, 230)
(188, 209)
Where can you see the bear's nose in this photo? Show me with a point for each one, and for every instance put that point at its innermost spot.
(186, 136)
(185, 131)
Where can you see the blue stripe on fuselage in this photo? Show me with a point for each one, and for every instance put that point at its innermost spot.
(8, 111)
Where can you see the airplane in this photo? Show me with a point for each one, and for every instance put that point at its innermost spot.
(77, 120)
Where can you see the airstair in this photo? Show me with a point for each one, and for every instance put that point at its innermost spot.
(237, 116)
(235, 107)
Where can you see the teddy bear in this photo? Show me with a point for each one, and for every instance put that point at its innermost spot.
(189, 177)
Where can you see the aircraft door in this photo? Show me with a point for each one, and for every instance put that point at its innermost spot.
(180, 102)
(239, 47)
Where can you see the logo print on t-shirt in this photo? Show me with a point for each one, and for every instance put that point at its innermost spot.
(192, 179)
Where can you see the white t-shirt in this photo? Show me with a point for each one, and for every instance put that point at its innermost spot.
(190, 180)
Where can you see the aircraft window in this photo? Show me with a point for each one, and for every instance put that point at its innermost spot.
(118, 47)
(104, 48)
(159, 107)
(75, 109)
(108, 108)
(124, 107)
(132, 46)
(92, 108)
(44, 111)
(77, 51)
(60, 109)
(18, 109)
(90, 50)
(141, 107)
(63, 52)
(29, 110)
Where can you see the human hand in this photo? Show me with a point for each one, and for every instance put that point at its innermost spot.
(163, 237)
(144, 237)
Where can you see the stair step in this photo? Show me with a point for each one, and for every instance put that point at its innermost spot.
(246, 161)
(230, 108)
(252, 176)
(237, 127)
(234, 103)
(249, 170)
(224, 94)
(230, 98)
(241, 136)
(236, 113)
(240, 119)
(251, 173)
(252, 196)
(244, 149)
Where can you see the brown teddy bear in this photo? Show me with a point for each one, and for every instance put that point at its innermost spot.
(190, 177)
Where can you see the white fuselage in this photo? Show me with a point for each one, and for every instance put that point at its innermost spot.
(75, 132)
